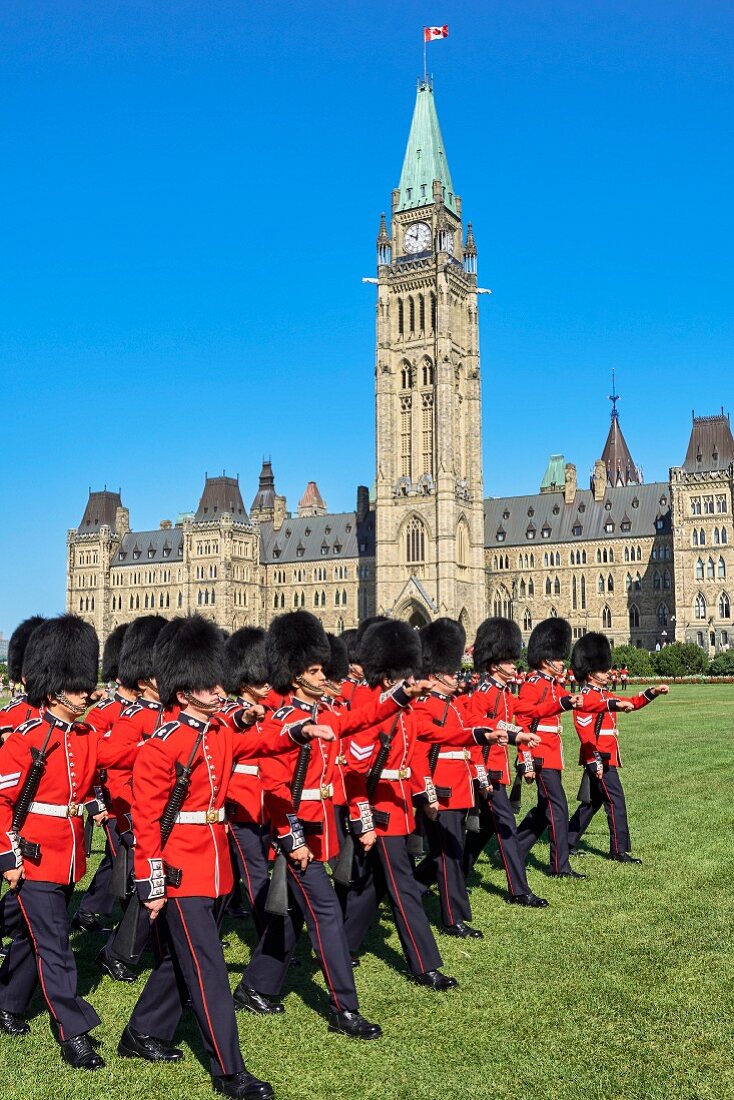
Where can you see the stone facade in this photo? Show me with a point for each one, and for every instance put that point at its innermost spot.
(646, 563)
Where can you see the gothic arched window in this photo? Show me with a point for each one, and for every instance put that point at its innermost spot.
(421, 313)
(427, 372)
(462, 545)
(634, 616)
(406, 375)
(527, 620)
(722, 569)
(411, 315)
(699, 607)
(724, 606)
(663, 614)
(401, 317)
(606, 618)
(415, 541)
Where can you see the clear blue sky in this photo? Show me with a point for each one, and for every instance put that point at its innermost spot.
(191, 193)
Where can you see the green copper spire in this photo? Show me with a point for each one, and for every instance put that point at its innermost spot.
(425, 157)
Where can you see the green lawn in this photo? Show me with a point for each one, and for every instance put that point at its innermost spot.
(622, 988)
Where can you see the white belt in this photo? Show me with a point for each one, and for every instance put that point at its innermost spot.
(51, 809)
(396, 773)
(547, 729)
(246, 769)
(200, 817)
(458, 754)
(318, 794)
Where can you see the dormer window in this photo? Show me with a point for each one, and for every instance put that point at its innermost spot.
(635, 503)
(609, 527)
(506, 514)
(530, 533)
(582, 508)
(546, 532)
(531, 511)
(608, 505)
(500, 536)
(625, 525)
(307, 532)
(556, 509)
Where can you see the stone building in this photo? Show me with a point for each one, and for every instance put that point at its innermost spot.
(646, 563)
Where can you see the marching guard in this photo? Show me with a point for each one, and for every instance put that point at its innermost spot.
(46, 771)
(299, 801)
(497, 648)
(541, 701)
(390, 652)
(599, 755)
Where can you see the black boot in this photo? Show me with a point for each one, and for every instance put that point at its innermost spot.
(246, 997)
(80, 1054)
(115, 968)
(133, 1044)
(13, 1024)
(242, 1086)
(530, 900)
(434, 979)
(353, 1025)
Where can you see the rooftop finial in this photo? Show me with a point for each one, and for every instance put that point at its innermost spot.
(614, 396)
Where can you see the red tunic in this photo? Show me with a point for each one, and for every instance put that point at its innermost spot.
(14, 714)
(491, 704)
(597, 729)
(74, 753)
(105, 713)
(314, 824)
(245, 803)
(440, 718)
(136, 724)
(539, 705)
(199, 849)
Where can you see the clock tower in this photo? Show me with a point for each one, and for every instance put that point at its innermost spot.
(429, 495)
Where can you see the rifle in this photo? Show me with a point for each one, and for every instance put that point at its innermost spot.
(343, 868)
(29, 849)
(126, 935)
(276, 902)
(88, 834)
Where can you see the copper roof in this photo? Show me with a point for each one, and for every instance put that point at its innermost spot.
(221, 494)
(711, 446)
(311, 503)
(100, 511)
(264, 499)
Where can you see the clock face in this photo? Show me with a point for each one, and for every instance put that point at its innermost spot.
(417, 237)
(450, 243)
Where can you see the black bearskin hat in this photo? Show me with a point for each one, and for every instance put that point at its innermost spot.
(188, 656)
(592, 653)
(550, 641)
(245, 662)
(443, 642)
(497, 640)
(17, 645)
(337, 667)
(136, 655)
(293, 642)
(62, 655)
(111, 652)
(349, 637)
(390, 650)
(362, 629)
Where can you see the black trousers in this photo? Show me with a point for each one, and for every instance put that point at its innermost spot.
(42, 953)
(496, 818)
(189, 958)
(387, 869)
(606, 792)
(550, 813)
(315, 902)
(445, 860)
(97, 898)
(250, 845)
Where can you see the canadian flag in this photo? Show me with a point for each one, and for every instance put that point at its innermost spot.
(431, 33)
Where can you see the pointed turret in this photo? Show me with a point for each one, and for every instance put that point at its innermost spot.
(384, 246)
(263, 504)
(312, 503)
(470, 252)
(618, 462)
(425, 158)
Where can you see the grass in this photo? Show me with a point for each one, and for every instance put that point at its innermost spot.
(621, 989)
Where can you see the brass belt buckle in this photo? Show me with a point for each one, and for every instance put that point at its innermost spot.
(325, 791)
(467, 754)
(212, 817)
(74, 809)
(402, 773)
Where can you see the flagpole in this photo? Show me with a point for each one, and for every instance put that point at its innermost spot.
(425, 70)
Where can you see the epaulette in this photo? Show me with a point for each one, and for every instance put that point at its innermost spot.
(130, 709)
(30, 724)
(283, 713)
(103, 704)
(533, 679)
(166, 730)
(230, 706)
(17, 701)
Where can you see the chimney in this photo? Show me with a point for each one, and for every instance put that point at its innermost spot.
(279, 512)
(599, 480)
(363, 503)
(570, 483)
(122, 521)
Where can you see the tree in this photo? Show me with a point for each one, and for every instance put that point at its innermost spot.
(723, 664)
(680, 659)
(638, 661)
